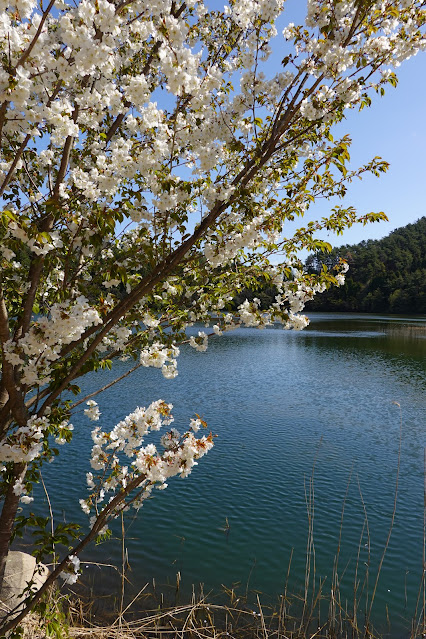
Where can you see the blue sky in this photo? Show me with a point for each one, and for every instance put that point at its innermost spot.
(393, 128)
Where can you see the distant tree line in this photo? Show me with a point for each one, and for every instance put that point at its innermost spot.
(260, 289)
(385, 276)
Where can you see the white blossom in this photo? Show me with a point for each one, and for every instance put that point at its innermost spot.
(93, 411)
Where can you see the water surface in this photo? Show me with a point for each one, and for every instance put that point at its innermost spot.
(334, 393)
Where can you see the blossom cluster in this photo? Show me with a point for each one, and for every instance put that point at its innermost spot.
(25, 443)
(85, 45)
(158, 356)
(147, 466)
(72, 571)
(42, 344)
(20, 489)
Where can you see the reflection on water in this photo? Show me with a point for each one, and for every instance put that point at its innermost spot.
(278, 401)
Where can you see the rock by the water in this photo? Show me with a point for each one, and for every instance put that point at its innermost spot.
(21, 569)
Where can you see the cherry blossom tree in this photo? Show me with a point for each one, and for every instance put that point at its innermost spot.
(151, 155)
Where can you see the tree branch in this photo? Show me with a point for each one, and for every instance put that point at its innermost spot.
(102, 519)
(104, 388)
(16, 159)
(166, 266)
(26, 53)
(15, 400)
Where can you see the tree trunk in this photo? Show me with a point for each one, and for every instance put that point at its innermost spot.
(7, 518)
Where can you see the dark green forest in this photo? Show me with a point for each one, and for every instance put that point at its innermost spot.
(385, 276)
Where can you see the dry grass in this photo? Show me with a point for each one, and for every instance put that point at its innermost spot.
(32, 628)
(293, 617)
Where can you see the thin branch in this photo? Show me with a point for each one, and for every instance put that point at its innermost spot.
(34, 278)
(16, 159)
(26, 53)
(115, 125)
(52, 521)
(104, 388)
(15, 402)
(4, 319)
(3, 110)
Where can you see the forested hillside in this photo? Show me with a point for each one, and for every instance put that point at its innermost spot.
(385, 276)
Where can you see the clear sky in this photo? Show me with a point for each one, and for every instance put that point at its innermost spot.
(393, 128)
